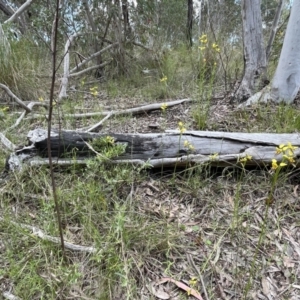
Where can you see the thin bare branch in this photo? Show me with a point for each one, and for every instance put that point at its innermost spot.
(6, 142)
(18, 100)
(90, 69)
(141, 45)
(39, 233)
(18, 121)
(23, 114)
(92, 56)
(97, 125)
(21, 9)
(133, 111)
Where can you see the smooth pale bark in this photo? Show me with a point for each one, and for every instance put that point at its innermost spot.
(254, 51)
(17, 15)
(286, 81)
(199, 16)
(65, 79)
(19, 11)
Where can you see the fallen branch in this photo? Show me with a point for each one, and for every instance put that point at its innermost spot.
(39, 233)
(18, 100)
(23, 114)
(18, 121)
(170, 149)
(97, 125)
(133, 111)
(9, 296)
(7, 143)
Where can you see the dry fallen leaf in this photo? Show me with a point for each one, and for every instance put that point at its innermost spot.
(266, 288)
(182, 286)
(287, 262)
(158, 291)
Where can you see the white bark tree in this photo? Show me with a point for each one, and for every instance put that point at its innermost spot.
(286, 82)
(254, 51)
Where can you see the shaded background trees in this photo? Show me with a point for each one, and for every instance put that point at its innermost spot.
(153, 39)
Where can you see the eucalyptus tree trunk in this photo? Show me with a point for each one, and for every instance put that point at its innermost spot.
(286, 81)
(254, 51)
(199, 16)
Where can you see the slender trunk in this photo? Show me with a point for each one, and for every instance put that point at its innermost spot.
(254, 52)
(118, 32)
(274, 28)
(189, 25)
(125, 12)
(199, 16)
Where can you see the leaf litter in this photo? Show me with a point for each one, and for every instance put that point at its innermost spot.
(228, 238)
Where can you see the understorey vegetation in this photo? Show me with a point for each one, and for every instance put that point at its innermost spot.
(182, 223)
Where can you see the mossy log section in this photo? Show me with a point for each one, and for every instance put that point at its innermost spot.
(159, 149)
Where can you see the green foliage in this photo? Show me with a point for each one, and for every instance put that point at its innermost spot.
(20, 67)
(138, 224)
(168, 29)
(209, 53)
(280, 119)
(106, 148)
(96, 201)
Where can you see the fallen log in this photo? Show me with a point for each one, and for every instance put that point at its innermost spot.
(170, 149)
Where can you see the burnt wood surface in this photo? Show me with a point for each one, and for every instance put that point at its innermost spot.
(162, 149)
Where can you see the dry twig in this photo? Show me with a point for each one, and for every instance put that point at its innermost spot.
(39, 233)
(6, 142)
(23, 114)
(133, 111)
(18, 100)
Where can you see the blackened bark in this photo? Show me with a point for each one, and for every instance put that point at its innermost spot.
(125, 12)
(189, 25)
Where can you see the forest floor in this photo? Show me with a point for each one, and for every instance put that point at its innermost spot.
(195, 233)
